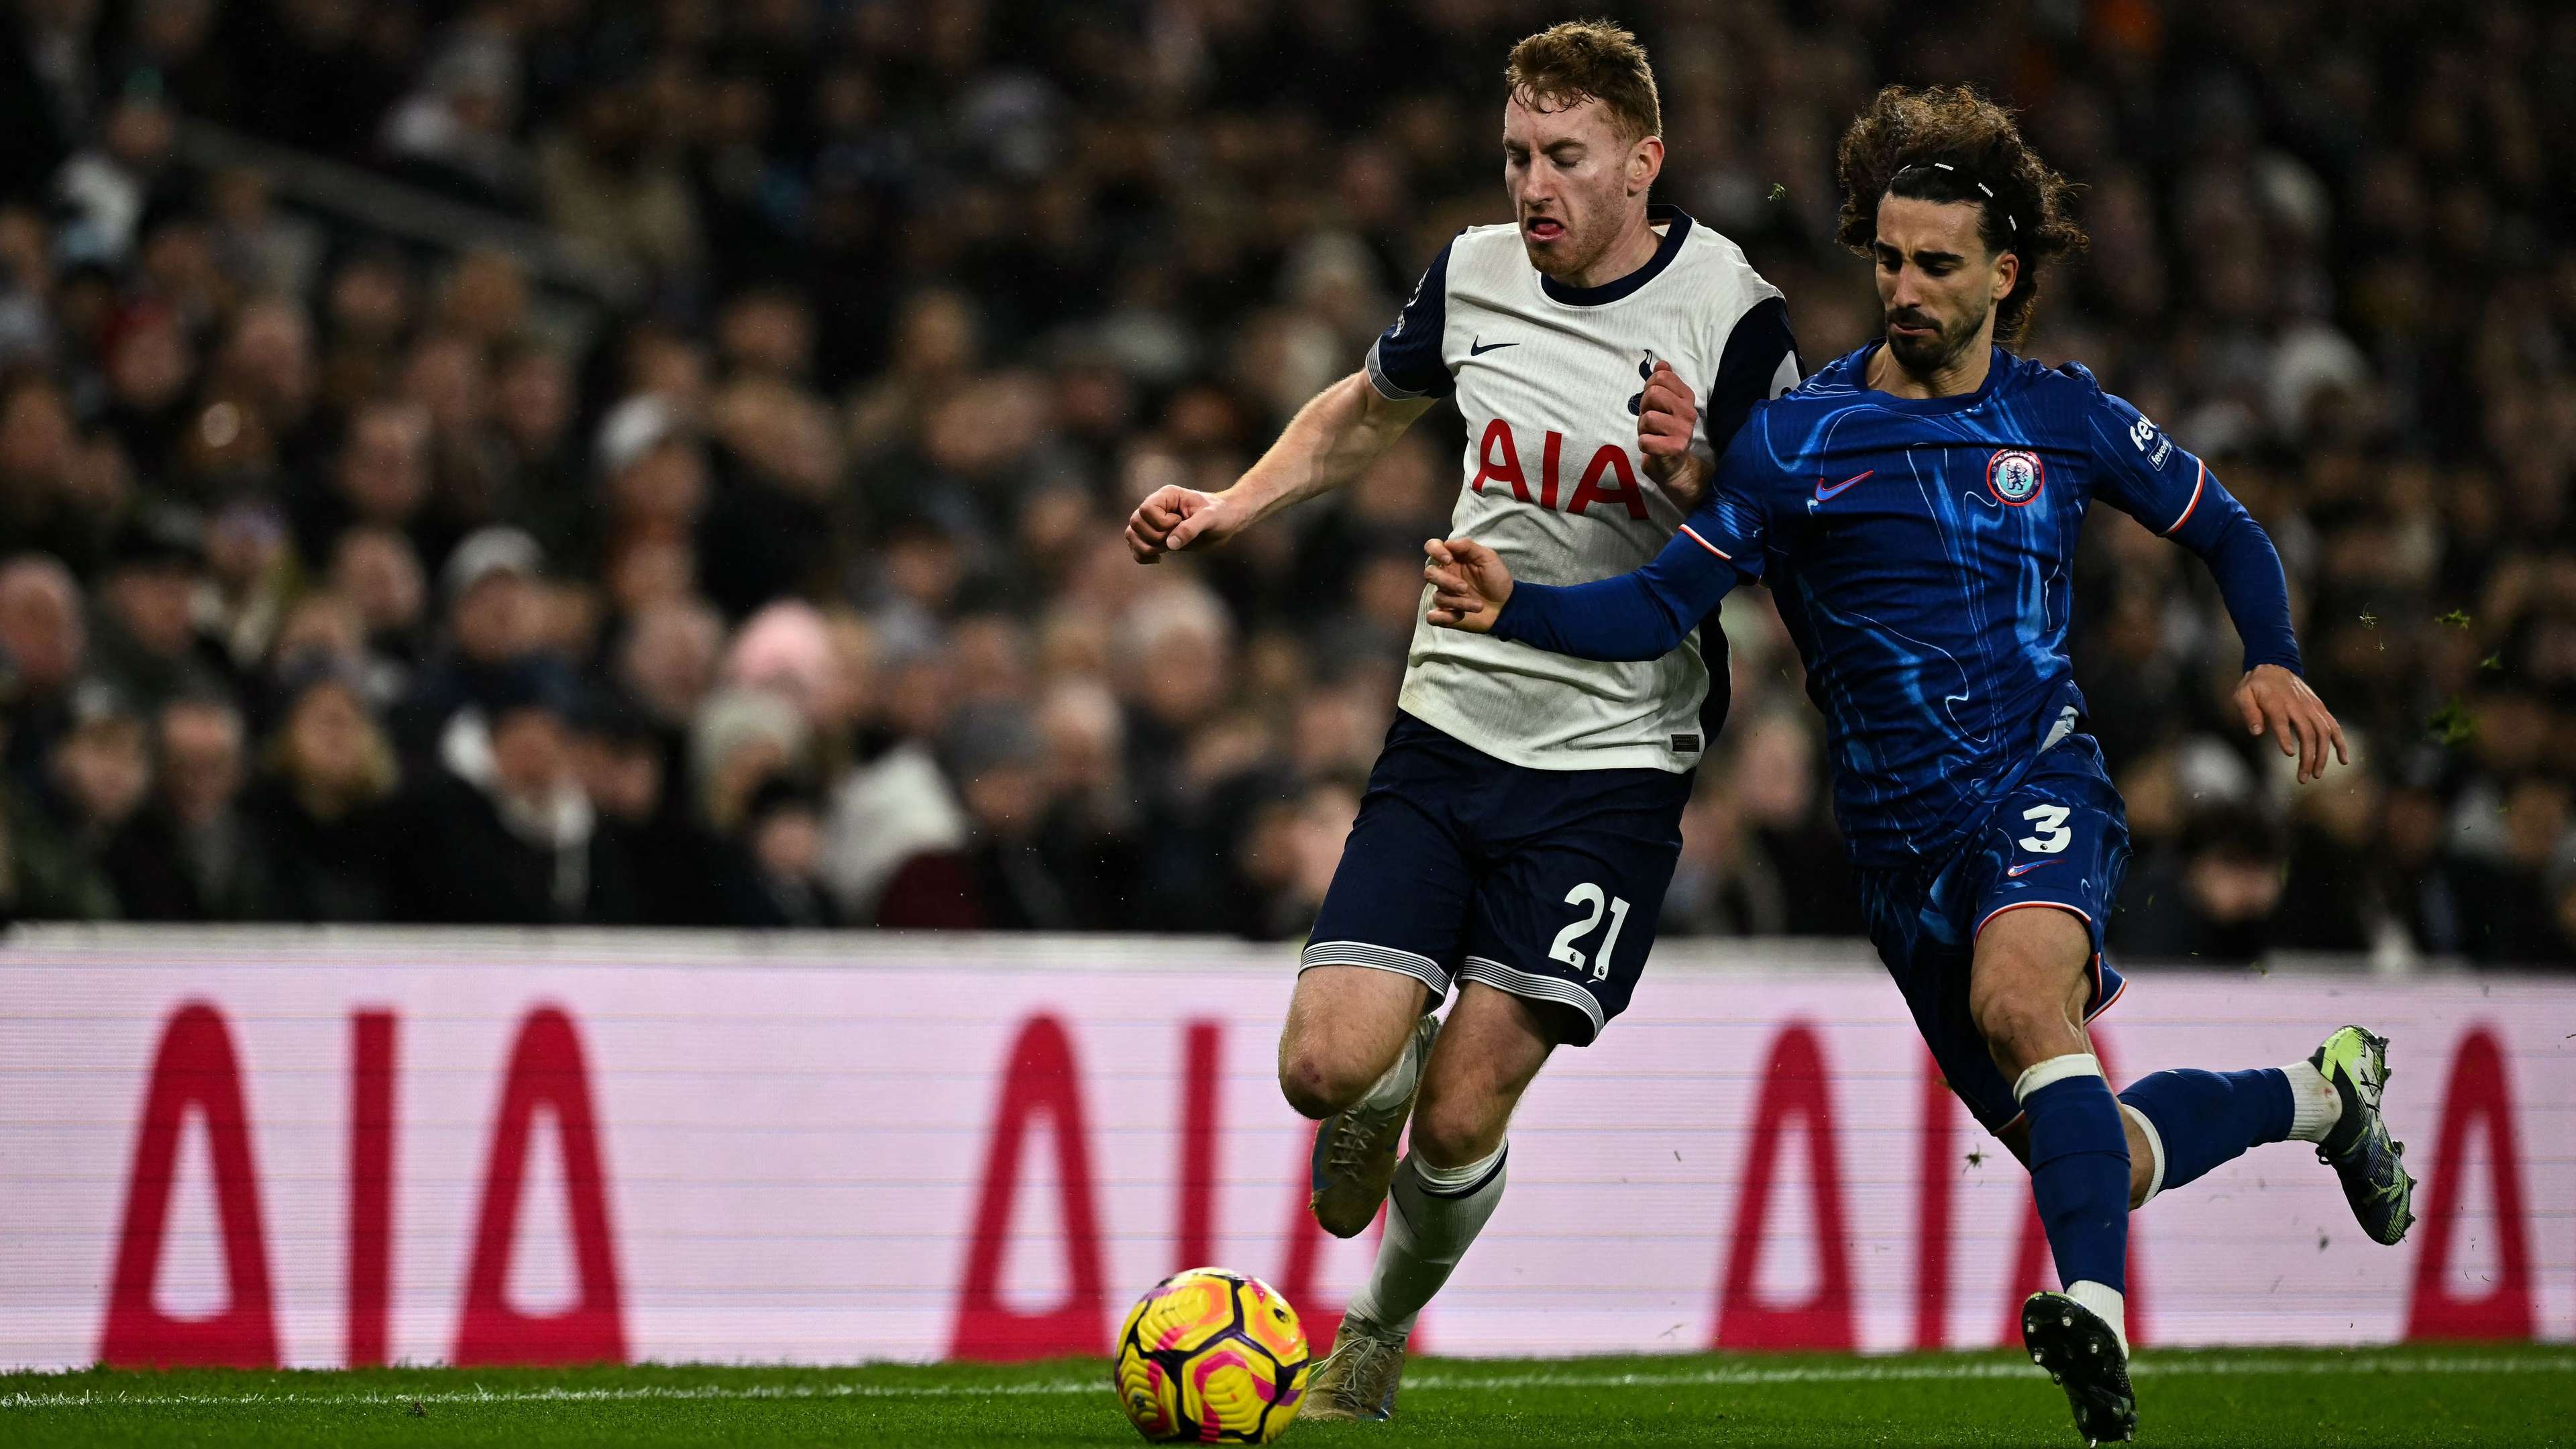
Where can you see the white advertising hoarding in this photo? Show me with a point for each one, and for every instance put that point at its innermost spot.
(357, 1148)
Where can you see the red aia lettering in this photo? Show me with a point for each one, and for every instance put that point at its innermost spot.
(1505, 468)
(1203, 1044)
(1938, 1187)
(1042, 1082)
(1498, 460)
(194, 1067)
(546, 1069)
(1793, 1086)
(1624, 492)
(371, 1186)
(2477, 1098)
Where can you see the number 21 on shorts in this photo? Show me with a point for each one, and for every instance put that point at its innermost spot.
(1596, 900)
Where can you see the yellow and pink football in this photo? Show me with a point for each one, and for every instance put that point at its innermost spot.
(1211, 1357)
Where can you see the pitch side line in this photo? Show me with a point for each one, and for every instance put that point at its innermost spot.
(1745, 1376)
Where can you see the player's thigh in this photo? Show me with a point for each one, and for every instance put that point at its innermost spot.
(2028, 984)
(1566, 913)
(1921, 933)
(1400, 897)
(1397, 909)
(2057, 847)
(1490, 1049)
(2039, 881)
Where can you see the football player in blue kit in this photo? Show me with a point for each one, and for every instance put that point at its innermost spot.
(1914, 508)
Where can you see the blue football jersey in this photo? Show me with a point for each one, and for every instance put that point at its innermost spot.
(1921, 552)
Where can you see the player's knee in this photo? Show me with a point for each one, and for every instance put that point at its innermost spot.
(1454, 1129)
(1316, 1083)
(2022, 1028)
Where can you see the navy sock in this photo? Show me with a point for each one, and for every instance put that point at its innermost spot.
(2205, 1118)
(2079, 1172)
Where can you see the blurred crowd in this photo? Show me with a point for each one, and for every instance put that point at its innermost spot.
(345, 578)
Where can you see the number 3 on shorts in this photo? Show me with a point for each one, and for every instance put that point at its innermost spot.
(1598, 900)
(2050, 834)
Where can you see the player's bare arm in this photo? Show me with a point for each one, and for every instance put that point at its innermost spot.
(2277, 702)
(1332, 440)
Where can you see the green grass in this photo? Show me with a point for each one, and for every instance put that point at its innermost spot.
(2243, 1399)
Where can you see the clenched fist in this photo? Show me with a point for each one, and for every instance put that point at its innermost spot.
(1172, 518)
(1667, 419)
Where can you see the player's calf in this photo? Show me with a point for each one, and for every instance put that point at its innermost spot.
(2027, 991)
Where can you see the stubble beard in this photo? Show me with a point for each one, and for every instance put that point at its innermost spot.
(1927, 357)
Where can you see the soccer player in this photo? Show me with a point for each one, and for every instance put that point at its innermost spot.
(1914, 507)
(1523, 820)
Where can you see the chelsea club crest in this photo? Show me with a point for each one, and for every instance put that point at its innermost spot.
(2013, 475)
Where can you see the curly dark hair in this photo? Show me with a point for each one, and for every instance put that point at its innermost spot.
(1950, 143)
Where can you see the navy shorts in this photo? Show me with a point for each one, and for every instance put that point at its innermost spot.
(1542, 883)
(2060, 841)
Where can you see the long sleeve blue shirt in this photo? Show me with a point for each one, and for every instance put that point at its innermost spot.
(1921, 552)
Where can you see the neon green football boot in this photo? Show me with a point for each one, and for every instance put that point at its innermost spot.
(2372, 1166)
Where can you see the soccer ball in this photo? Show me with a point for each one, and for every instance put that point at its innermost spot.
(1210, 1357)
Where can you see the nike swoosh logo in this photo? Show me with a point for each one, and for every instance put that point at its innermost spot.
(2026, 867)
(1480, 348)
(1824, 492)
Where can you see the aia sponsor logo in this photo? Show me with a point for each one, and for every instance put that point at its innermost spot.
(2014, 476)
(1608, 478)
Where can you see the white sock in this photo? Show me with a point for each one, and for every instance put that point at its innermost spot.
(2107, 1303)
(2315, 1105)
(1432, 1214)
(2055, 1070)
(2155, 1154)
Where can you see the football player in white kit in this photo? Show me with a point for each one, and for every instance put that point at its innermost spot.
(1522, 822)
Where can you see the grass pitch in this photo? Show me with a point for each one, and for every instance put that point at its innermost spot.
(2241, 1399)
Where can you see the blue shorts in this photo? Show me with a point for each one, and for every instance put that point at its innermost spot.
(1542, 883)
(2059, 841)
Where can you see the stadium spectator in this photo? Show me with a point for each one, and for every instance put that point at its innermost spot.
(323, 800)
(512, 836)
(779, 880)
(47, 646)
(1001, 878)
(2215, 897)
(99, 771)
(1724, 884)
(146, 642)
(192, 853)
(682, 870)
(493, 626)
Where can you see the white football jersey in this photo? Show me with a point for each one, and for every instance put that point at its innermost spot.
(1548, 377)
